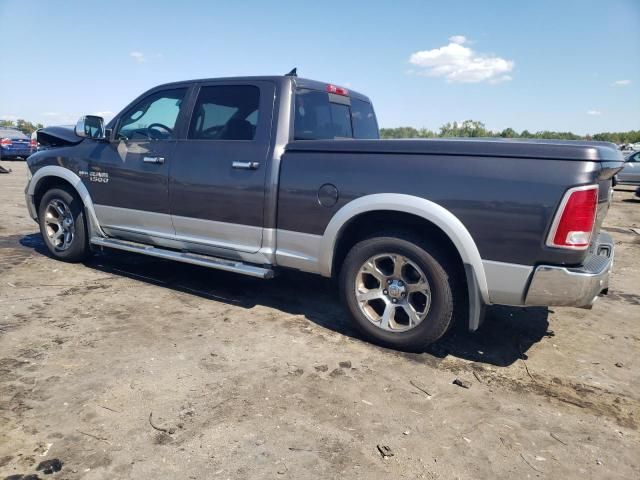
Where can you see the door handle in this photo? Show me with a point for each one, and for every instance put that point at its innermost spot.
(153, 160)
(246, 165)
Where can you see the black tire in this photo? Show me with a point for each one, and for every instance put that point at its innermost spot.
(439, 272)
(78, 248)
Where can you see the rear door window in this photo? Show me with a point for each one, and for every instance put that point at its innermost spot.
(318, 118)
(225, 112)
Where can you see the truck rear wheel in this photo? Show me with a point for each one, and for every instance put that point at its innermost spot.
(62, 225)
(398, 290)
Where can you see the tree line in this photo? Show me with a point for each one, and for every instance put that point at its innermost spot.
(474, 128)
(468, 128)
(22, 125)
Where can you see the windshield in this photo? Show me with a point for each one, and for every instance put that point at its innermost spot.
(10, 133)
(318, 118)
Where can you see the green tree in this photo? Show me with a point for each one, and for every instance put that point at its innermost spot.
(27, 127)
(400, 132)
(468, 128)
(474, 128)
(632, 136)
(426, 133)
(509, 133)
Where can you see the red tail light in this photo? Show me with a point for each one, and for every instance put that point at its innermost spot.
(5, 142)
(338, 90)
(33, 143)
(573, 224)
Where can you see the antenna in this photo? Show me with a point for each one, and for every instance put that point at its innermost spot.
(292, 73)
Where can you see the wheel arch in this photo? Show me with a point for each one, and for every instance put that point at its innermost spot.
(46, 177)
(422, 210)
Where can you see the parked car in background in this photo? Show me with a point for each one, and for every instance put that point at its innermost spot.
(34, 141)
(15, 144)
(630, 174)
(630, 147)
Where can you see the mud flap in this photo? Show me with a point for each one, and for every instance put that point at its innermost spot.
(476, 305)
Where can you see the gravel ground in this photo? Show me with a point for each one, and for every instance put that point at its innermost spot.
(132, 367)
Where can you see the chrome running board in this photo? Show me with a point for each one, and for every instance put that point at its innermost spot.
(185, 257)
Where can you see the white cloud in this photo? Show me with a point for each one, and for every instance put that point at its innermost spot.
(458, 63)
(459, 39)
(9, 118)
(138, 57)
(621, 83)
(594, 112)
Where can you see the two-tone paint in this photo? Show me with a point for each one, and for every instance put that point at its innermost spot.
(494, 200)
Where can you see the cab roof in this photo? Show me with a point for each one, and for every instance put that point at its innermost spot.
(278, 79)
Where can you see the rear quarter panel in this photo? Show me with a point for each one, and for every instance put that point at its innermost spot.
(507, 204)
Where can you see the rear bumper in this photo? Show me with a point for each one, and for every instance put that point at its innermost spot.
(15, 153)
(573, 286)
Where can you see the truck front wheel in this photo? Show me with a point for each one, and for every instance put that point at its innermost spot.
(62, 224)
(398, 290)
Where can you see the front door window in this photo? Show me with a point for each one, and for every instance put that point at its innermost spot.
(153, 118)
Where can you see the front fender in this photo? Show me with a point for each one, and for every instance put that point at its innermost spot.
(72, 179)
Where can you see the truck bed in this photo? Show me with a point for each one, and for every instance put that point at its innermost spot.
(504, 191)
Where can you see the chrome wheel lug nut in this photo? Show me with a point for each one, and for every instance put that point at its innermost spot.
(394, 300)
(386, 292)
(389, 281)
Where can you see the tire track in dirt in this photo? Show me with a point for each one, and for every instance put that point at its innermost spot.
(16, 249)
(597, 401)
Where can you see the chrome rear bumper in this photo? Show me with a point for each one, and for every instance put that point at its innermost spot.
(573, 286)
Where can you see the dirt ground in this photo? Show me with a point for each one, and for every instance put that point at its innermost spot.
(132, 367)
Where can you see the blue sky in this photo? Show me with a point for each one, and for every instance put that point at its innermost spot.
(556, 65)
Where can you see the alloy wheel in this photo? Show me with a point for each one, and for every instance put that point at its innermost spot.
(59, 224)
(392, 292)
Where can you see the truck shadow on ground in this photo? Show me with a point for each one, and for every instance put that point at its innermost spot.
(505, 337)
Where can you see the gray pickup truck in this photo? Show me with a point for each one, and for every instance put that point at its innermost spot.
(256, 174)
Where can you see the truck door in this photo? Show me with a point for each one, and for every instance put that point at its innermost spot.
(128, 178)
(216, 183)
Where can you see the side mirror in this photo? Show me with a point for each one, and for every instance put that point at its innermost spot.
(90, 126)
